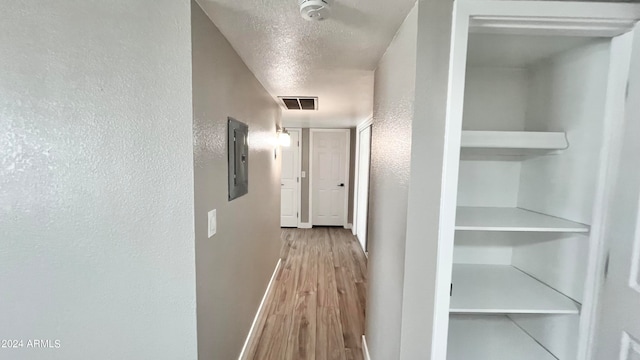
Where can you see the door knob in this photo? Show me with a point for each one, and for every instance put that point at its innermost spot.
(341, 185)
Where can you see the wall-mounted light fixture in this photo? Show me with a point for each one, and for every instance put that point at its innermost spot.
(284, 138)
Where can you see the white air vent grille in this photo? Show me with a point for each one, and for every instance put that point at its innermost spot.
(299, 103)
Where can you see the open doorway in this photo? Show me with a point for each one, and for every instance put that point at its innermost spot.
(363, 163)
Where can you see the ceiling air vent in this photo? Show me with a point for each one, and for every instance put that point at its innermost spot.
(299, 103)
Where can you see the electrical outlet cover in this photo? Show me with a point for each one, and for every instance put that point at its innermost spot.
(213, 222)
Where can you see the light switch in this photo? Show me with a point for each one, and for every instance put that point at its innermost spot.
(304, 174)
(213, 222)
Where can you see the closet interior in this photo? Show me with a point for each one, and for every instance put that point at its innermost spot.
(531, 155)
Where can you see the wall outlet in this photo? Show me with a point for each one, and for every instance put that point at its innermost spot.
(303, 174)
(213, 222)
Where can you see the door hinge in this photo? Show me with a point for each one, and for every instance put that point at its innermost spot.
(451, 290)
(297, 214)
(606, 265)
(297, 179)
(298, 143)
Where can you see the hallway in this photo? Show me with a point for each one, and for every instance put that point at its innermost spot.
(316, 306)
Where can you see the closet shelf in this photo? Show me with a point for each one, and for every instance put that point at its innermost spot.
(503, 289)
(511, 144)
(512, 219)
(490, 338)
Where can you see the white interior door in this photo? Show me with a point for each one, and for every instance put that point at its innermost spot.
(619, 321)
(329, 177)
(290, 181)
(364, 157)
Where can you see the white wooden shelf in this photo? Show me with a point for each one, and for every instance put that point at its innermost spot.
(503, 289)
(491, 338)
(511, 144)
(512, 219)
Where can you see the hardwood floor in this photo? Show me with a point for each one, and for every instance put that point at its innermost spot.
(316, 306)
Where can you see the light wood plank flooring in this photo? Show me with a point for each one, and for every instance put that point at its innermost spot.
(316, 306)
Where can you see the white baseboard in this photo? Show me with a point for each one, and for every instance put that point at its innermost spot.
(305, 225)
(348, 226)
(260, 310)
(365, 349)
(353, 230)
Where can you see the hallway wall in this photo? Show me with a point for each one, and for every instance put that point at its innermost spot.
(390, 167)
(235, 265)
(96, 178)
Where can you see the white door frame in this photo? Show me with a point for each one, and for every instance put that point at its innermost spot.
(569, 18)
(363, 125)
(347, 164)
(299, 183)
(299, 171)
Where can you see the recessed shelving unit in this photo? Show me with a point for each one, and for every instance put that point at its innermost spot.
(512, 219)
(511, 144)
(503, 289)
(482, 338)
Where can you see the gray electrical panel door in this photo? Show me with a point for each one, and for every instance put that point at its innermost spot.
(238, 158)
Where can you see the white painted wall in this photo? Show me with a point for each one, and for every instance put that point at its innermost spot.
(566, 93)
(424, 205)
(96, 179)
(489, 183)
(495, 98)
(234, 266)
(390, 166)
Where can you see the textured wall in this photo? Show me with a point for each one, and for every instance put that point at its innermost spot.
(390, 163)
(234, 266)
(96, 178)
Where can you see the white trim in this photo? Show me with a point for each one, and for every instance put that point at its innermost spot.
(347, 164)
(349, 226)
(299, 183)
(298, 174)
(365, 124)
(306, 225)
(365, 349)
(615, 107)
(449, 191)
(356, 174)
(592, 17)
(260, 310)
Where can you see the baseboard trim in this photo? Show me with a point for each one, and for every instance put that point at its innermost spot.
(365, 349)
(348, 226)
(260, 310)
(305, 226)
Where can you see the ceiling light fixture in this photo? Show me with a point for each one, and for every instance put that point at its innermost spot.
(314, 10)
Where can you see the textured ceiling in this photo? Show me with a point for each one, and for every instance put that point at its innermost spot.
(333, 59)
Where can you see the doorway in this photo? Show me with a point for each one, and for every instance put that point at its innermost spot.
(362, 183)
(290, 181)
(329, 177)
